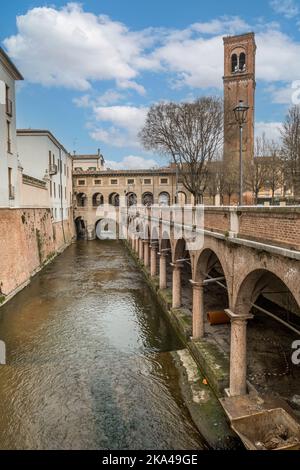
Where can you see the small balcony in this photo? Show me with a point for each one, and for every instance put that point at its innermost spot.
(53, 169)
(9, 107)
(11, 192)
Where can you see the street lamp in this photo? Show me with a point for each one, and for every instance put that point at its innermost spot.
(240, 112)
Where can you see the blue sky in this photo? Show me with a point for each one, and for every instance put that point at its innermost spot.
(93, 68)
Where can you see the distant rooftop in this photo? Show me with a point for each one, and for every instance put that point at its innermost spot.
(41, 132)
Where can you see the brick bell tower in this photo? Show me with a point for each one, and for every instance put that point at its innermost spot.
(239, 84)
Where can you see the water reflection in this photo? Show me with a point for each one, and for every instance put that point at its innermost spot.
(89, 363)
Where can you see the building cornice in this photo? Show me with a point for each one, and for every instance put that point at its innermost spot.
(114, 173)
(10, 66)
(43, 133)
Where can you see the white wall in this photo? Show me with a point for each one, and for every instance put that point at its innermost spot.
(34, 157)
(7, 160)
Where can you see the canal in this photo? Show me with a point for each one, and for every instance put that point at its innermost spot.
(89, 360)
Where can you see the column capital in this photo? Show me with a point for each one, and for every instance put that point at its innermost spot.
(196, 285)
(177, 265)
(237, 316)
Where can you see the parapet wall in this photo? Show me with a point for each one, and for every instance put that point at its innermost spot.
(28, 240)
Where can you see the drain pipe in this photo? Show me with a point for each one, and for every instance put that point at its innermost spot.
(266, 312)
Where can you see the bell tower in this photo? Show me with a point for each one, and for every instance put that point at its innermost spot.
(239, 84)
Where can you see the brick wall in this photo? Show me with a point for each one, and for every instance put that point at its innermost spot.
(217, 219)
(281, 226)
(27, 241)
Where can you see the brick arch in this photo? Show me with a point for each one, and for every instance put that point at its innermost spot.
(165, 241)
(201, 262)
(259, 280)
(155, 233)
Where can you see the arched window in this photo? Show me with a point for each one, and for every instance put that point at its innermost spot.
(242, 62)
(164, 199)
(131, 199)
(81, 200)
(114, 199)
(147, 199)
(181, 198)
(97, 199)
(234, 63)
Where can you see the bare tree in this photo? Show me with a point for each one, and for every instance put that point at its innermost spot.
(191, 133)
(290, 134)
(257, 170)
(275, 170)
(229, 180)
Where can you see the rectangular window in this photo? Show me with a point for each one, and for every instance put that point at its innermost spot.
(54, 189)
(97, 182)
(65, 192)
(50, 158)
(11, 189)
(81, 182)
(8, 137)
(53, 159)
(8, 101)
(50, 188)
(164, 181)
(147, 181)
(130, 181)
(113, 181)
(67, 172)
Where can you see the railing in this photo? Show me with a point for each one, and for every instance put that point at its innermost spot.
(53, 169)
(11, 191)
(9, 107)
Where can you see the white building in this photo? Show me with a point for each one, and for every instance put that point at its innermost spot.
(43, 158)
(89, 162)
(9, 188)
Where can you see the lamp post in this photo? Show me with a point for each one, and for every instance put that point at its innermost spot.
(240, 112)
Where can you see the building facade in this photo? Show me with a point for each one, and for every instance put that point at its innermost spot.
(115, 187)
(9, 191)
(45, 160)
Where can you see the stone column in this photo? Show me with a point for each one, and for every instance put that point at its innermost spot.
(176, 285)
(153, 266)
(136, 245)
(238, 353)
(146, 253)
(141, 251)
(163, 271)
(198, 310)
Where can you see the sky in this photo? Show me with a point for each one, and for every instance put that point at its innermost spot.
(92, 69)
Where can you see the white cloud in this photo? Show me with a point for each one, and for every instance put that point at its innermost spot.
(281, 95)
(125, 123)
(108, 97)
(270, 129)
(132, 162)
(287, 8)
(70, 47)
(277, 57)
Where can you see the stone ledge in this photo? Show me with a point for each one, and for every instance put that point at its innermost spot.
(213, 363)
